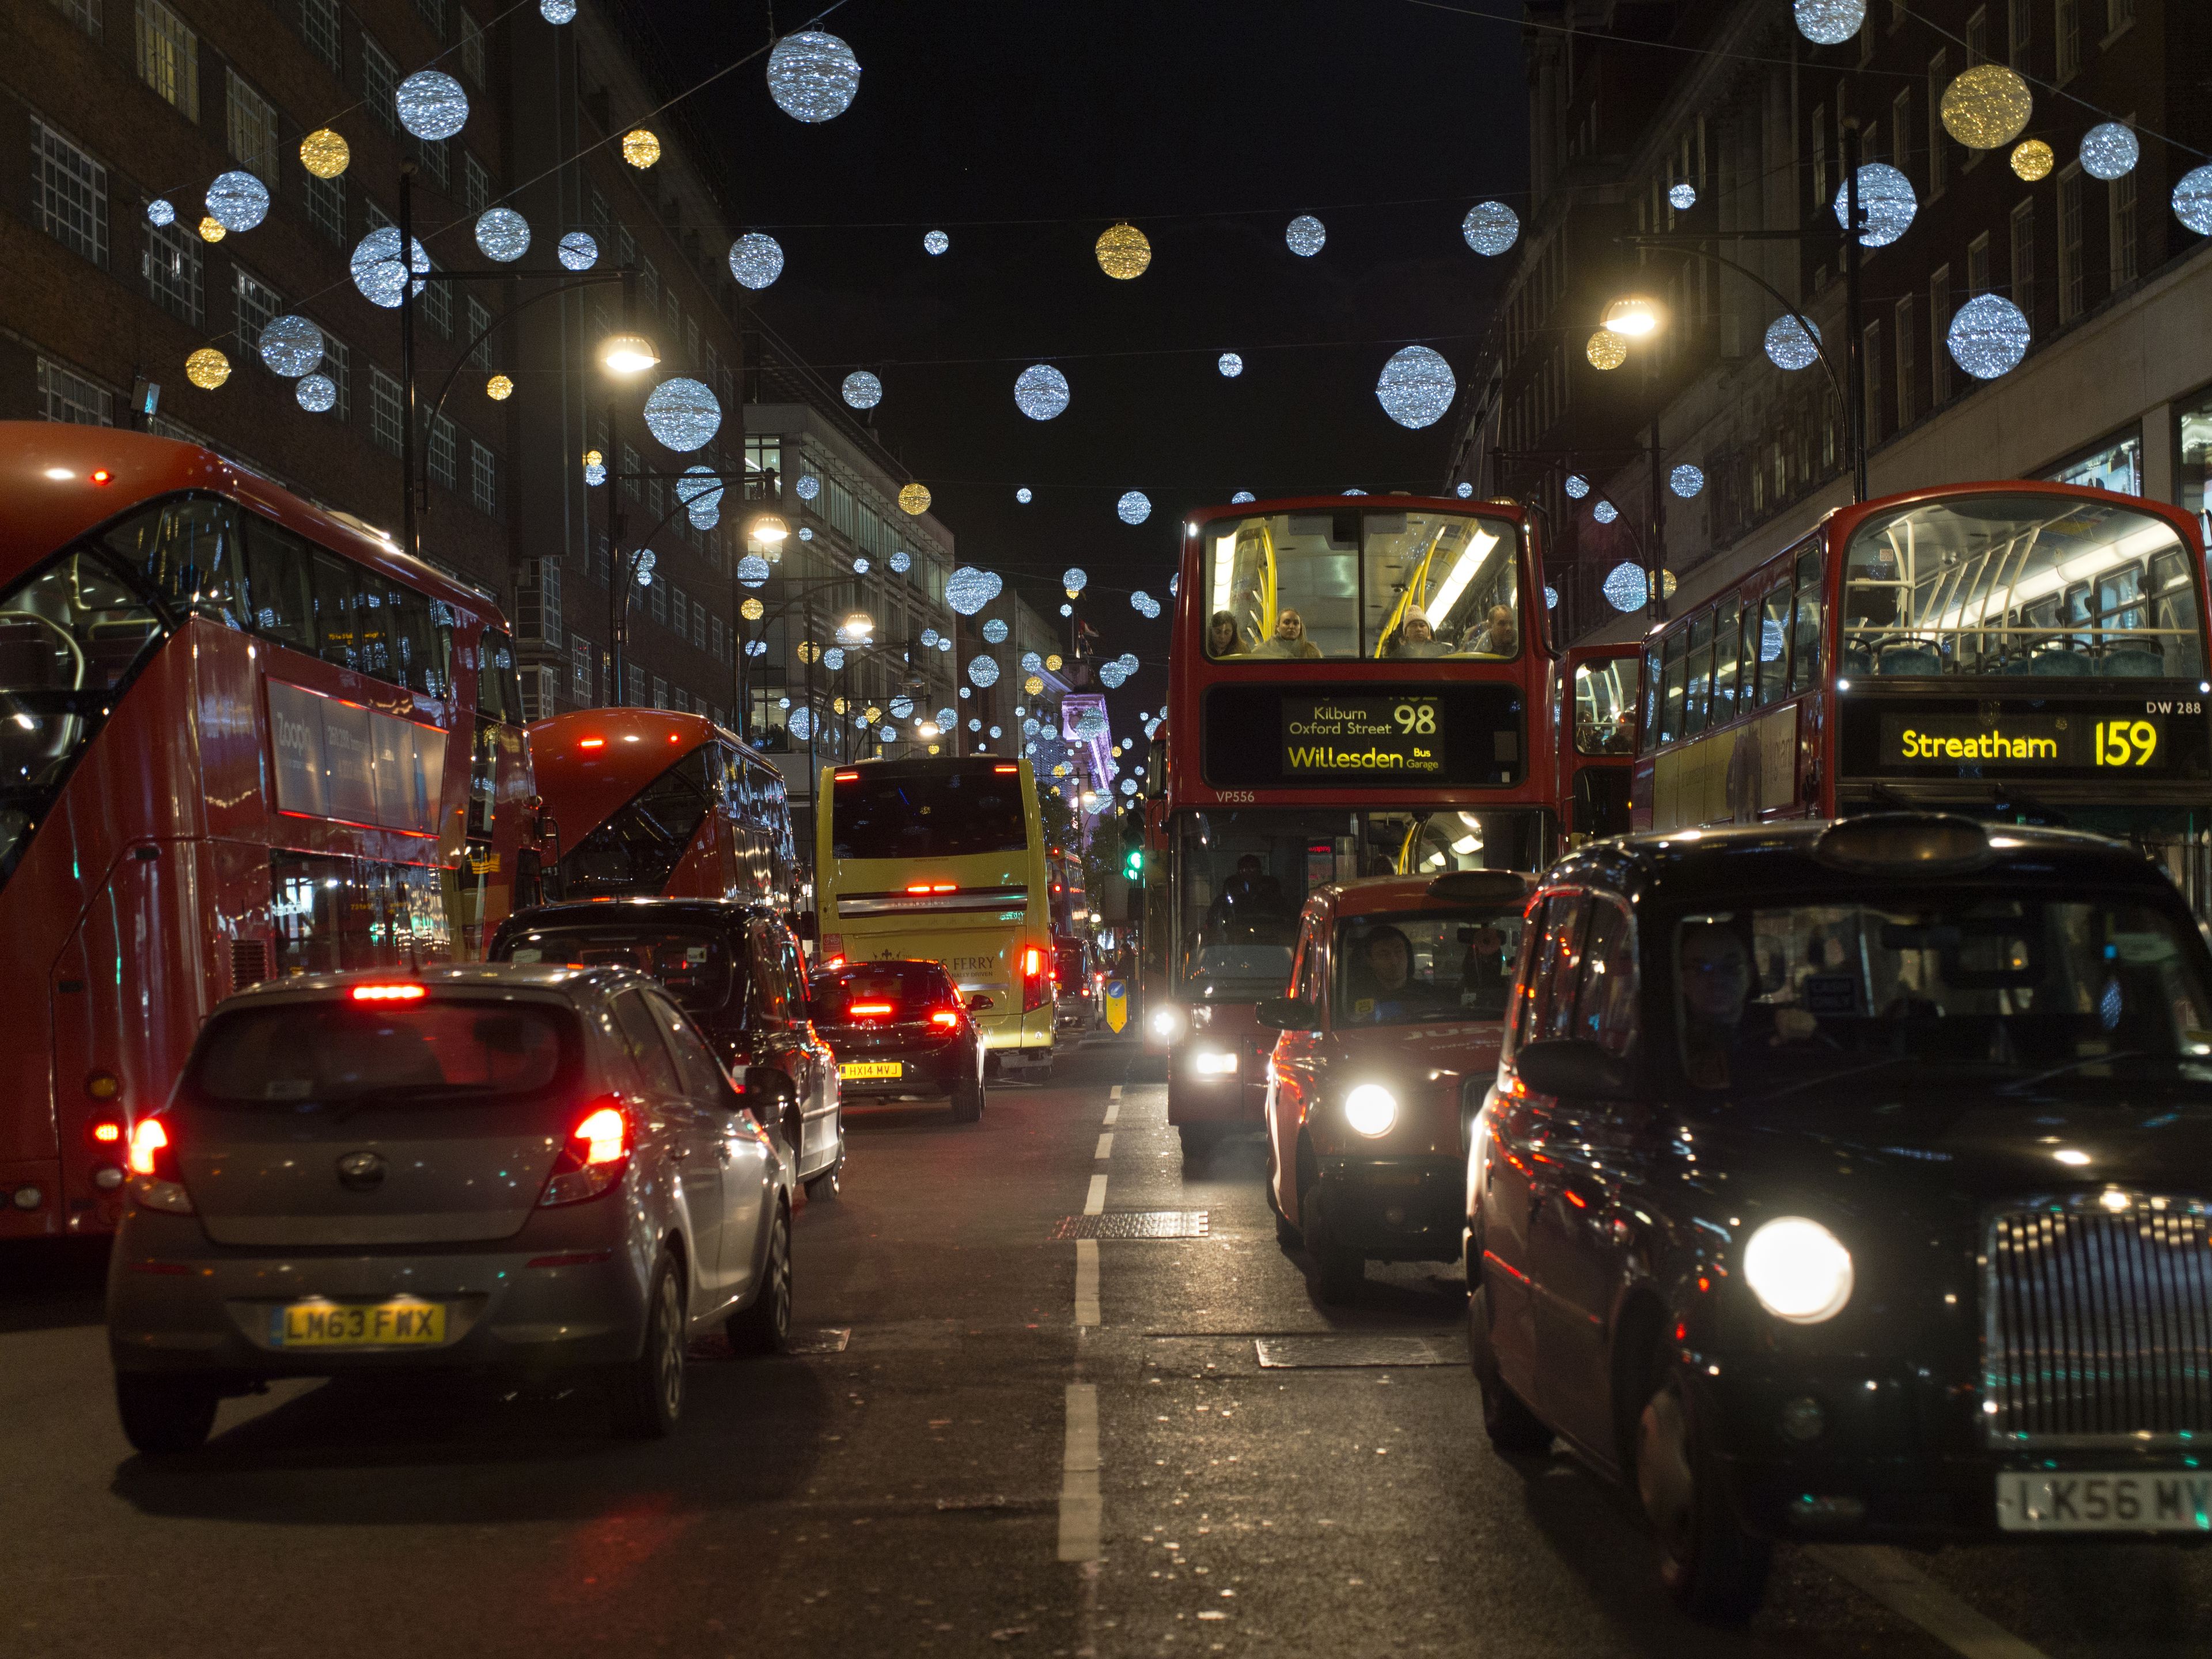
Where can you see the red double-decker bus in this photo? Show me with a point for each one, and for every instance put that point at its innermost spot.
(2030, 653)
(650, 803)
(239, 737)
(1593, 716)
(1359, 686)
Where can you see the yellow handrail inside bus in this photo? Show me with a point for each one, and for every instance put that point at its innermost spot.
(1409, 848)
(1267, 579)
(1416, 587)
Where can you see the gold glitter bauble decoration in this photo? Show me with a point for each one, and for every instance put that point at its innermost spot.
(2034, 160)
(809, 652)
(1607, 350)
(839, 707)
(324, 153)
(211, 229)
(1123, 252)
(914, 500)
(207, 369)
(640, 149)
(873, 714)
(1033, 685)
(499, 388)
(752, 610)
(1053, 662)
(1986, 107)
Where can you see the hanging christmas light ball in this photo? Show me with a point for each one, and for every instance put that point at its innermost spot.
(756, 261)
(1490, 228)
(641, 148)
(833, 659)
(808, 486)
(1606, 349)
(1605, 513)
(983, 670)
(902, 562)
(1305, 236)
(1551, 596)
(812, 77)
(1034, 685)
(862, 389)
(1229, 364)
(595, 468)
(161, 212)
(324, 154)
(1986, 107)
(1987, 337)
(1626, 588)
(2192, 200)
(557, 11)
(799, 723)
(1686, 481)
(503, 235)
(1041, 391)
(207, 369)
(2109, 151)
(316, 393)
(861, 567)
(752, 610)
(1827, 23)
(1031, 662)
(211, 229)
(1416, 387)
(914, 500)
(1074, 579)
(1052, 663)
(1145, 605)
(700, 486)
(969, 589)
(806, 535)
(1791, 343)
(1241, 497)
(237, 201)
(431, 105)
(995, 631)
(578, 251)
(1886, 201)
(1123, 252)
(1576, 486)
(683, 414)
(1022, 495)
(291, 346)
(376, 270)
(1682, 196)
(1134, 506)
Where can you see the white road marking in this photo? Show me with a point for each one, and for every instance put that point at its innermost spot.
(1086, 1281)
(1078, 1480)
(1095, 1203)
(1105, 1146)
(1113, 1094)
(1112, 1112)
(1895, 1583)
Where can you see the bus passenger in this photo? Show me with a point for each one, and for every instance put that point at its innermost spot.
(1289, 640)
(1415, 637)
(1501, 638)
(1223, 637)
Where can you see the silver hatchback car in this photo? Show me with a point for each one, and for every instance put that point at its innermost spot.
(527, 1170)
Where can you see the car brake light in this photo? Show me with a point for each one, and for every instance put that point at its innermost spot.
(148, 1142)
(153, 1160)
(848, 777)
(1033, 963)
(1005, 769)
(868, 1010)
(389, 994)
(593, 1159)
(604, 1136)
(101, 477)
(593, 743)
(106, 1133)
(944, 1017)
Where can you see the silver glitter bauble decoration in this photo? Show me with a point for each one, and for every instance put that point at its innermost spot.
(1032, 663)
(800, 724)
(995, 734)
(929, 637)
(557, 11)
(1305, 235)
(756, 261)
(431, 105)
(812, 77)
(1416, 387)
(1022, 495)
(1041, 391)
(1074, 579)
(901, 707)
(1791, 344)
(806, 535)
(969, 589)
(699, 487)
(834, 658)
(376, 270)
(983, 669)
(995, 631)
(1229, 364)
(595, 473)
(1145, 605)
(861, 390)
(1605, 513)
(1551, 596)
(291, 346)
(2192, 200)
(935, 242)
(759, 648)
(502, 233)
(683, 414)
(1463, 489)
(1686, 481)
(1355, 492)
(160, 211)
(902, 562)
(1134, 506)
(1241, 497)
(1827, 23)
(578, 251)
(1129, 786)
(1576, 486)
(1987, 337)
(237, 201)
(705, 515)
(1090, 725)
(1625, 588)
(2109, 151)
(317, 394)
(1111, 674)
(1490, 228)
(808, 486)
(1682, 196)
(1886, 199)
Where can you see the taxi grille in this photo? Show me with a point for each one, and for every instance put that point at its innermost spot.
(2099, 1322)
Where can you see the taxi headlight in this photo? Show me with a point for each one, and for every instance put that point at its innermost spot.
(1798, 1270)
(1370, 1108)
(1213, 1063)
(1166, 1023)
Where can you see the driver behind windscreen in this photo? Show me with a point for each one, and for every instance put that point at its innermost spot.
(1483, 974)
(1723, 1030)
(1383, 989)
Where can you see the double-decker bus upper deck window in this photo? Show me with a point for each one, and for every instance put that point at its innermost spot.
(499, 681)
(928, 812)
(281, 607)
(2040, 585)
(1695, 701)
(1774, 642)
(638, 849)
(1727, 632)
(1805, 637)
(1604, 707)
(1670, 693)
(1648, 726)
(335, 583)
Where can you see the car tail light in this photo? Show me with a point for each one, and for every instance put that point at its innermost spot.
(1006, 768)
(869, 1010)
(106, 1134)
(593, 743)
(848, 777)
(948, 1017)
(156, 1181)
(594, 1156)
(389, 994)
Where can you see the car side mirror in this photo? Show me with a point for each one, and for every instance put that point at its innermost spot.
(1574, 1067)
(977, 1002)
(1287, 1014)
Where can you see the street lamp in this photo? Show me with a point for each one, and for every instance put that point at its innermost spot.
(1632, 315)
(628, 354)
(623, 355)
(769, 529)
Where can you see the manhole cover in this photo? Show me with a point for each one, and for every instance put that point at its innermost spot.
(1327, 1353)
(1135, 1223)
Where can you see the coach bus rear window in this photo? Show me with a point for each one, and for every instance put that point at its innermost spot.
(938, 813)
(2040, 585)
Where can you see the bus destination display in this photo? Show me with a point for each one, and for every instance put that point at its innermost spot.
(1369, 737)
(2029, 741)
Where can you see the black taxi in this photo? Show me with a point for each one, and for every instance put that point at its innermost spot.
(1854, 1182)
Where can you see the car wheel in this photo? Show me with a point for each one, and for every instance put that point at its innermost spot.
(982, 1078)
(163, 1415)
(764, 1325)
(647, 1396)
(1713, 1568)
(1198, 1140)
(830, 1182)
(1506, 1418)
(967, 1100)
(1339, 1270)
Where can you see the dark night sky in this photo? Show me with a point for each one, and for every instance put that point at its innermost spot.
(1208, 123)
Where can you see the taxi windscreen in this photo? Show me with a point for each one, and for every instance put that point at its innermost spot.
(1779, 999)
(434, 1052)
(1417, 967)
(898, 991)
(693, 963)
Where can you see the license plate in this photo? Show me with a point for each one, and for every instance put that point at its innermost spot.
(860, 1068)
(406, 1324)
(2090, 1500)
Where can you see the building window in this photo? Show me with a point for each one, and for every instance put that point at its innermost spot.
(2114, 465)
(1939, 330)
(338, 363)
(2072, 280)
(2120, 218)
(445, 454)
(2016, 23)
(85, 13)
(66, 395)
(2118, 14)
(1900, 123)
(1820, 156)
(70, 194)
(169, 57)
(1907, 383)
(319, 28)
(384, 411)
(579, 670)
(253, 127)
(475, 184)
(484, 490)
(325, 200)
(680, 608)
(1873, 346)
(1978, 36)
(1977, 266)
(433, 12)
(258, 305)
(715, 638)
(2194, 432)
(659, 692)
(633, 682)
(1939, 158)
(473, 48)
(2023, 261)
(380, 83)
(698, 626)
(657, 598)
(480, 332)
(438, 307)
(437, 163)
(2066, 22)
(170, 264)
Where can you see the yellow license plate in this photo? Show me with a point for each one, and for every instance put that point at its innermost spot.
(858, 1068)
(406, 1324)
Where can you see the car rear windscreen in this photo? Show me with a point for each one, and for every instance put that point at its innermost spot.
(693, 963)
(905, 990)
(941, 814)
(434, 1051)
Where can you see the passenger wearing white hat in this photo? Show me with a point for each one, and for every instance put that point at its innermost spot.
(1415, 638)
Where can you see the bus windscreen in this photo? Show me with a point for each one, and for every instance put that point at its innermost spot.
(933, 814)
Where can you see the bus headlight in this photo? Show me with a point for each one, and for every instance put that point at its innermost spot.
(1370, 1110)
(1798, 1270)
(1214, 1062)
(1166, 1023)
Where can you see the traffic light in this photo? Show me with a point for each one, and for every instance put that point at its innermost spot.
(1133, 864)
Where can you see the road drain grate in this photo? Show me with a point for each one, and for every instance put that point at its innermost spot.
(1135, 1223)
(1333, 1353)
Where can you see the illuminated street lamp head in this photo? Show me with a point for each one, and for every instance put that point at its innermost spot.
(628, 354)
(1632, 315)
(769, 529)
(858, 625)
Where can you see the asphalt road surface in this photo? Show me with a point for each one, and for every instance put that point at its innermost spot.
(1027, 1442)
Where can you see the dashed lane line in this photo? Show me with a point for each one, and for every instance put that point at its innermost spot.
(1086, 1282)
(1112, 1111)
(1096, 1204)
(1105, 1147)
(1079, 1479)
(1895, 1583)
